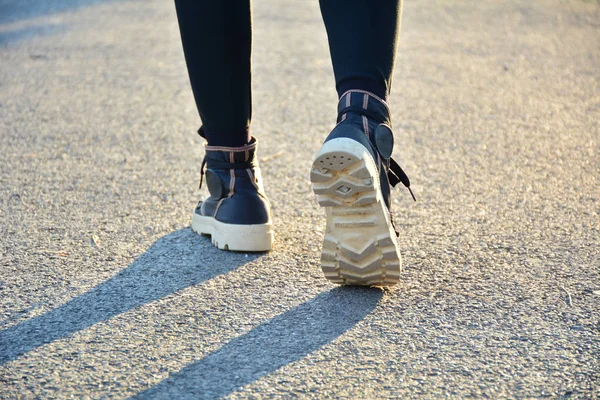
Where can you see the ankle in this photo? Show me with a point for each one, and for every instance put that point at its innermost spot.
(230, 138)
(366, 85)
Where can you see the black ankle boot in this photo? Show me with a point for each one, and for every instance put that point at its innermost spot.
(351, 175)
(237, 213)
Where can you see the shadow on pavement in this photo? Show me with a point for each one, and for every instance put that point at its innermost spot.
(278, 342)
(175, 262)
(30, 32)
(18, 10)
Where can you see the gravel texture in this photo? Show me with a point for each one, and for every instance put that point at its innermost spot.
(105, 292)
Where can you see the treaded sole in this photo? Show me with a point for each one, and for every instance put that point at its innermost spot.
(234, 237)
(360, 245)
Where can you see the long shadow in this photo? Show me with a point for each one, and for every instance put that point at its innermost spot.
(30, 32)
(14, 11)
(270, 346)
(176, 261)
(17, 10)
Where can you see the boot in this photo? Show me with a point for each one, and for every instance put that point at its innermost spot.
(237, 214)
(352, 175)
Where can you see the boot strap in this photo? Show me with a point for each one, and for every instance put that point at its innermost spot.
(361, 111)
(216, 164)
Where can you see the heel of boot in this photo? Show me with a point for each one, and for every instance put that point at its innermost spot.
(360, 246)
(234, 237)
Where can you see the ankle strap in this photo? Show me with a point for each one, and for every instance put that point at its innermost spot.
(365, 103)
(249, 146)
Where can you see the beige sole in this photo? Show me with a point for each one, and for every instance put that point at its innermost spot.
(360, 245)
(234, 237)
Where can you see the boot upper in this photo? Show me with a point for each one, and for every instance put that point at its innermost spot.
(235, 186)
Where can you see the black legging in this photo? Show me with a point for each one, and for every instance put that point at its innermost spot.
(217, 41)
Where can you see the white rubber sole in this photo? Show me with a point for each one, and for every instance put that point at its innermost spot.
(234, 237)
(360, 245)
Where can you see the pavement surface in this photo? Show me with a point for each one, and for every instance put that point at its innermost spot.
(105, 292)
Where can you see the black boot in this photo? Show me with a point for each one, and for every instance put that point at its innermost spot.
(237, 213)
(351, 175)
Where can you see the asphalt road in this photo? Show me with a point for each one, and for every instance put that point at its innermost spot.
(105, 292)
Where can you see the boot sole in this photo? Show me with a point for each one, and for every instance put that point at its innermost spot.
(360, 245)
(234, 237)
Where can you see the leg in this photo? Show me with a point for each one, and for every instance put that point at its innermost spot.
(353, 171)
(217, 38)
(363, 37)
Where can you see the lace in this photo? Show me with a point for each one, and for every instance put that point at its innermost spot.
(202, 173)
(396, 174)
(393, 224)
